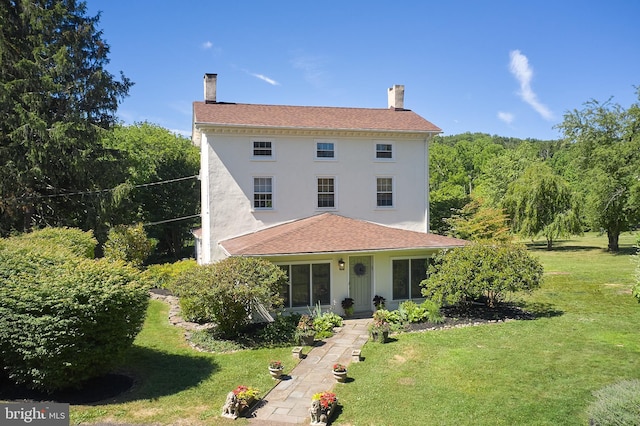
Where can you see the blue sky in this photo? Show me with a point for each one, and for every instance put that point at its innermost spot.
(510, 68)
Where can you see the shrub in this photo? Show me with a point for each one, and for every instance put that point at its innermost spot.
(77, 242)
(325, 323)
(64, 319)
(411, 312)
(225, 292)
(163, 276)
(616, 404)
(128, 243)
(481, 269)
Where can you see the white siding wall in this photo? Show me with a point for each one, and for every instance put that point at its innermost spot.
(228, 169)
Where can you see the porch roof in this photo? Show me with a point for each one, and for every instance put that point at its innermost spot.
(331, 233)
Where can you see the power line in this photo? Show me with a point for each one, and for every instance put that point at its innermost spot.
(98, 191)
(171, 220)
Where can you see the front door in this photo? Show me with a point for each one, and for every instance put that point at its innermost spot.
(360, 282)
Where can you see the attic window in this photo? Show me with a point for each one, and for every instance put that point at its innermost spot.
(262, 149)
(384, 151)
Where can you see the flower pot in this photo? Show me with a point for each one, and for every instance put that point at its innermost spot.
(340, 376)
(307, 340)
(276, 373)
(380, 336)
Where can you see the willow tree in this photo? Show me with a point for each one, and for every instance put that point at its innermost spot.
(541, 202)
(56, 98)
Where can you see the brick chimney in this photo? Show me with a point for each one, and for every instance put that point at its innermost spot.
(396, 96)
(210, 81)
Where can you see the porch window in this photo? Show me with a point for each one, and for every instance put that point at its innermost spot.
(407, 276)
(308, 284)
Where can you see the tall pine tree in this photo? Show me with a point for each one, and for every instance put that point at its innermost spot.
(56, 97)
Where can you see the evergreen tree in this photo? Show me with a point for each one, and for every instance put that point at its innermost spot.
(56, 97)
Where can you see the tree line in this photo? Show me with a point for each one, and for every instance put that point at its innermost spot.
(589, 180)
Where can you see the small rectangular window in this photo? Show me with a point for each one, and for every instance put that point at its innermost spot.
(263, 193)
(326, 193)
(325, 150)
(384, 192)
(262, 149)
(384, 150)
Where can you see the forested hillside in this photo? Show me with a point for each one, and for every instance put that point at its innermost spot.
(589, 180)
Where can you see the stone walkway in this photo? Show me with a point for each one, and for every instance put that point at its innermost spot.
(289, 401)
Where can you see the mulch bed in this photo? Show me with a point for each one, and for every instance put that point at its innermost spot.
(474, 314)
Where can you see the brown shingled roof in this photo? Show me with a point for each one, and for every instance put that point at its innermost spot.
(330, 118)
(330, 233)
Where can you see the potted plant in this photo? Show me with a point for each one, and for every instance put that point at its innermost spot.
(378, 302)
(379, 330)
(323, 405)
(275, 369)
(305, 331)
(347, 305)
(340, 372)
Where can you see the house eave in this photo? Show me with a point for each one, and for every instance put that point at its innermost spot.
(221, 128)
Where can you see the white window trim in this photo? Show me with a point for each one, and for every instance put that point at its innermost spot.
(335, 193)
(310, 263)
(315, 150)
(271, 157)
(273, 194)
(393, 193)
(375, 151)
(410, 258)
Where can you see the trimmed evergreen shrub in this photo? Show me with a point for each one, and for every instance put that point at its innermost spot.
(64, 318)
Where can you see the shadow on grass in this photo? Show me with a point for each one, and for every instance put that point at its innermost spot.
(541, 310)
(542, 246)
(158, 373)
(148, 374)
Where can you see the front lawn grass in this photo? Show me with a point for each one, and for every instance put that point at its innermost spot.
(177, 385)
(538, 372)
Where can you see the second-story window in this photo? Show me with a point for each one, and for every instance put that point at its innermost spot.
(263, 192)
(384, 192)
(262, 149)
(384, 151)
(326, 193)
(325, 150)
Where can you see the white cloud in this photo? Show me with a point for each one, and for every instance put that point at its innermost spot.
(265, 78)
(207, 45)
(507, 117)
(519, 67)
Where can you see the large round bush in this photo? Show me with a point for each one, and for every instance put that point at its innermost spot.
(226, 293)
(64, 318)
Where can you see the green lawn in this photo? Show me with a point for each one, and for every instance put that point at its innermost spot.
(538, 372)
(178, 385)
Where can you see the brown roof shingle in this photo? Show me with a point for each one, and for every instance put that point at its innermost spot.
(330, 233)
(309, 117)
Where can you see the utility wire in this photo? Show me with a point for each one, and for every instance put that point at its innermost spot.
(98, 191)
(171, 220)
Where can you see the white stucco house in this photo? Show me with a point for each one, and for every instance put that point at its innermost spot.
(338, 197)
